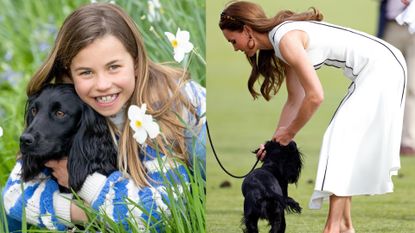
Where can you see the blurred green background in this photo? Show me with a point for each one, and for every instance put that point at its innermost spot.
(28, 29)
(238, 124)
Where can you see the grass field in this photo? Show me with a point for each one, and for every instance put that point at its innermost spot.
(238, 125)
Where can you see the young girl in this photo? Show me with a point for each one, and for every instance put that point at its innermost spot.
(100, 51)
(360, 149)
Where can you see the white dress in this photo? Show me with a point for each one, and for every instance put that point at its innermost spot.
(360, 149)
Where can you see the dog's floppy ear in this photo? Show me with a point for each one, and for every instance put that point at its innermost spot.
(294, 163)
(30, 167)
(269, 145)
(272, 145)
(292, 146)
(93, 149)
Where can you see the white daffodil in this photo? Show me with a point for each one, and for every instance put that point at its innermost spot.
(180, 42)
(142, 123)
(1, 131)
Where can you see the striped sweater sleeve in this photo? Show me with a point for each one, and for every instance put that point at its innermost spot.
(119, 198)
(40, 198)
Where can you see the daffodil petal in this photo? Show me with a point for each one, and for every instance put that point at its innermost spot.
(140, 135)
(182, 36)
(170, 36)
(132, 125)
(187, 47)
(150, 126)
(153, 129)
(147, 119)
(133, 112)
(1, 131)
(140, 139)
(178, 56)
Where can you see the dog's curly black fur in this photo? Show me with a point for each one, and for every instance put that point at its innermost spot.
(59, 124)
(266, 188)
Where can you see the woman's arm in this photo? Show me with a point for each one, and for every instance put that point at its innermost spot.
(40, 198)
(292, 48)
(295, 96)
(77, 214)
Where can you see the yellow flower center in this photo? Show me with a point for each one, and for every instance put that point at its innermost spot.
(138, 124)
(174, 43)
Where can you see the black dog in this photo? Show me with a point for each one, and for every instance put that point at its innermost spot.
(59, 124)
(266, 189)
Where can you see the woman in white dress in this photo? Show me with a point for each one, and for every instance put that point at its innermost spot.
(360, 149)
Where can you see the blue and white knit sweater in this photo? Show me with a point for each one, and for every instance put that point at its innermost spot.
(46, 207)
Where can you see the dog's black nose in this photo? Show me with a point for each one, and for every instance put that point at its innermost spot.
(26, 139)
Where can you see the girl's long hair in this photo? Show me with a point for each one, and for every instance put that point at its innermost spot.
(236, 15)
(159, 86)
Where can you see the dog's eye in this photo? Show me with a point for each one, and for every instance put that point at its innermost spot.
(59, 114)
(33, 111)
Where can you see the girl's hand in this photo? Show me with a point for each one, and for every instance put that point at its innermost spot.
(283, 136)
(406, 2)
(59, 171)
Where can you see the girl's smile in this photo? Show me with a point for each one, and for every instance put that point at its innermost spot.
(106, 100)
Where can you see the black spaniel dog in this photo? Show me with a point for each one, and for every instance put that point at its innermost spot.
(266, 188)
(59, 124)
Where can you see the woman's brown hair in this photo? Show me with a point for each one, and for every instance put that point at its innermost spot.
(159, 86)
(236, 15)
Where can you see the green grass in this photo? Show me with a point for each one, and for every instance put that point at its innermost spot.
(238, 125)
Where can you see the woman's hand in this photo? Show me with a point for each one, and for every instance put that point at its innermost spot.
(283, 135)
(260, 154)
(59, 171)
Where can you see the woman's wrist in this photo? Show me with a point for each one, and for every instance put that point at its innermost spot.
(77, 214)
(291, 131)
